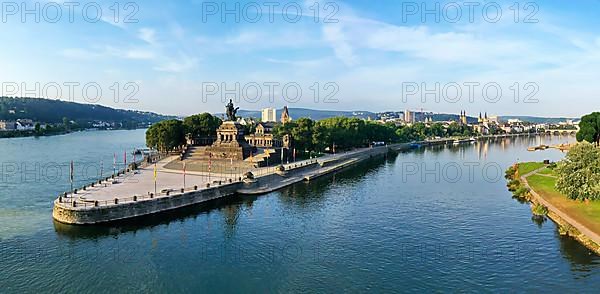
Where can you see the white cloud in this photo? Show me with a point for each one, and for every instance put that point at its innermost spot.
(148, 35)
(111, 21)
(182, 64)
(335, 35)
(108, 51)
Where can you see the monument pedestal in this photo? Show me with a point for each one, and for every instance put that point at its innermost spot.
(230, 142)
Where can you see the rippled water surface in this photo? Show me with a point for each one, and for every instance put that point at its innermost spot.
(430, 219)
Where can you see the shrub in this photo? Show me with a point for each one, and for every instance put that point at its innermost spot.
(521, 191)
(510, 173)
(539, 209)
(513, 185)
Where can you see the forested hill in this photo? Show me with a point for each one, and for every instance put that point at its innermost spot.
(53, 111)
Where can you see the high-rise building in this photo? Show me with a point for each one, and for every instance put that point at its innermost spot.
(269, 115)
(409, 116)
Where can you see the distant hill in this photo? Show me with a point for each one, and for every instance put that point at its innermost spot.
(322, 114)
(53, 111)
(539, 120)
(314, 114)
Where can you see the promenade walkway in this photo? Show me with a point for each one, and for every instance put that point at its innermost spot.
(141, 182)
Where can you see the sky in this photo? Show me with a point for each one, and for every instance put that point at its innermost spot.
(538, 58)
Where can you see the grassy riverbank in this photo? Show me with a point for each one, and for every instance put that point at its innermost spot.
(544, 181)
(535, 182)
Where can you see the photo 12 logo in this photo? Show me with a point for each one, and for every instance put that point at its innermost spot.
(451, 172)
(253, 12)
(469, 11)
(71, 11)
(454, 92)
(27, 172)
(90, 92)
(254, 92)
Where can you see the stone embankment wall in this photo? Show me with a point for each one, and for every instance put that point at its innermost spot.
(95, 215)
(264, 184)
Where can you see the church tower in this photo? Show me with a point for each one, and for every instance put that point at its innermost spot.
(463, 117)
(285, 116)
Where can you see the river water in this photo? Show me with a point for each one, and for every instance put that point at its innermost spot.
(432, 219)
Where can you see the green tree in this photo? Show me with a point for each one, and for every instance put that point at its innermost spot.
(408, 134)
(65, 122)
(437, 130)
(201, 125)
(302, 134)
(589, 128)
(579, 172)
(280, 130)
(166, 135)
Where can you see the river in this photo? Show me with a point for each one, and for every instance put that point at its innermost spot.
(432, 219)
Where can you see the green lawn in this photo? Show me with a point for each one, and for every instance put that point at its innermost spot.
(527, 167)
(587, 214)
(547, 171)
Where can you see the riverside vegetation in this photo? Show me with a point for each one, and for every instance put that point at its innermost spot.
(341, 133)
(570, 186)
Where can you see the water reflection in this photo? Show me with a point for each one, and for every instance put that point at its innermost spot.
(148, 221)
(298, 195)
(539, 220)
(582, 259)
(294, 207)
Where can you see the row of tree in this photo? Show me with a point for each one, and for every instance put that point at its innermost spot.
(346, 133)
(307, 134)
(169, 135)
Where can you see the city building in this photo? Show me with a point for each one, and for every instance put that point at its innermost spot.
(285, 116)
(269, 115)
(494, 120)
(409, 116)
(7, 125)
(462, 119)
(263, 136)
(483, 125)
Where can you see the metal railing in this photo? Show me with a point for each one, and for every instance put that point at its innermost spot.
(70, 201)
(218, 180)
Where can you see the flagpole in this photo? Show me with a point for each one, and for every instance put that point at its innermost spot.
(71, 177)
(184, 175)
(155, 179)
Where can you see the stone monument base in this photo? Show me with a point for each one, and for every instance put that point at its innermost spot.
(230, 143)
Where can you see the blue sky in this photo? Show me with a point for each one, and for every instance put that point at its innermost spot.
(367, 52)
